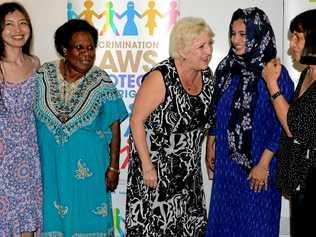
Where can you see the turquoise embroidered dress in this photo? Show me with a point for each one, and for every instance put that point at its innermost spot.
(74, 136)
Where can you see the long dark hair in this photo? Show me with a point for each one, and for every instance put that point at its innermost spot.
(6, 8)
(10, 7)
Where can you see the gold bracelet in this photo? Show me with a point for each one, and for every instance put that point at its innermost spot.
(114, 170)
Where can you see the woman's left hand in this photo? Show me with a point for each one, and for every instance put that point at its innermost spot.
(112, 179)
(271, 73)
(258, 177)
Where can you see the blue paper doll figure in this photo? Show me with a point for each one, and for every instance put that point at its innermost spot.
(71, 14)
(130, 27)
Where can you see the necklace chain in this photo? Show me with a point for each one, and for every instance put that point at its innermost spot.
(67, 91)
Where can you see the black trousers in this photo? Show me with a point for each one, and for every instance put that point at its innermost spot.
(303, 209)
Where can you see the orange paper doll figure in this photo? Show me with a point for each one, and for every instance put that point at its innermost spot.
(87, 14)
(151, 14)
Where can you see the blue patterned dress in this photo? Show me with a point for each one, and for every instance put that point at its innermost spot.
(20, 176)
(74, 151)
(236, 210)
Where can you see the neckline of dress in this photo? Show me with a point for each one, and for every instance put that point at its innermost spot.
(182, 86)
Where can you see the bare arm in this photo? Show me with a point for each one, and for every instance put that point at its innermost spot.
(149, 96)
(36, 62)
(112, 174)
(115, 145)
(210, 154)
(270, 74)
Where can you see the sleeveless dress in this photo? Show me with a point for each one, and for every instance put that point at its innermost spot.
(175, 132)
(74, 152)
(20, 176)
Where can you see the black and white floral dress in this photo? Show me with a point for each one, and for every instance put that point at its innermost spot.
(175, 131)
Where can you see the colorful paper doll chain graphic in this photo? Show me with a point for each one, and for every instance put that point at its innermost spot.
(110, 17)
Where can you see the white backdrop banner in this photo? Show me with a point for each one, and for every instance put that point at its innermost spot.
(134, 35)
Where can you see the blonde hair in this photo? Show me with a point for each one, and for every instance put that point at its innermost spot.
(184, 32)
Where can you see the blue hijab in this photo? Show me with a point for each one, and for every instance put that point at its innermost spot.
(260, 48)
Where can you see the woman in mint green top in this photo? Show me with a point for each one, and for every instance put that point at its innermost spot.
(78, 114)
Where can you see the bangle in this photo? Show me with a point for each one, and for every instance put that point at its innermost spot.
(275, 95)
(114, 170)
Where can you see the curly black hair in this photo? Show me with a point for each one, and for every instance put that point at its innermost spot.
(65, 32)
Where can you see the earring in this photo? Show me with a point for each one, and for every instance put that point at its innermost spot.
(65, 52)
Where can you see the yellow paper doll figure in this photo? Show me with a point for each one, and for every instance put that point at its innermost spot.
(151, 14)
(87, 14)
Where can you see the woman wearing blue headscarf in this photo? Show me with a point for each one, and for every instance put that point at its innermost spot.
(244, 200)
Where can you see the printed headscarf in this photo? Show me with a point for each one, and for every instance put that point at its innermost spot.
(260, 48)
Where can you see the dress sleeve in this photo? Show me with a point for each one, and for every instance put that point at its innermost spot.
(287, 90)
(112, 111)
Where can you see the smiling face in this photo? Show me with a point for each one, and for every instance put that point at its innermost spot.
(238, 37)
(80, 53)
(16, 30)
(200, 51)
(297, 42)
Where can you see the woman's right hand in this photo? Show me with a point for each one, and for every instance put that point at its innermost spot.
(150, 175)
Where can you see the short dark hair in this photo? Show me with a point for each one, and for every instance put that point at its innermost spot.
(65, 32)
(305, 23)
(10, 7)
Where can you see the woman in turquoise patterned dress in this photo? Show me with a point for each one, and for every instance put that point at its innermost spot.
(78, 114)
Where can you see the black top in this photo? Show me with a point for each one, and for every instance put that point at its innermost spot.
(298, 154)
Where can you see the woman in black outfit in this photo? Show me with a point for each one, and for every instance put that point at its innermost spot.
(297, 166)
